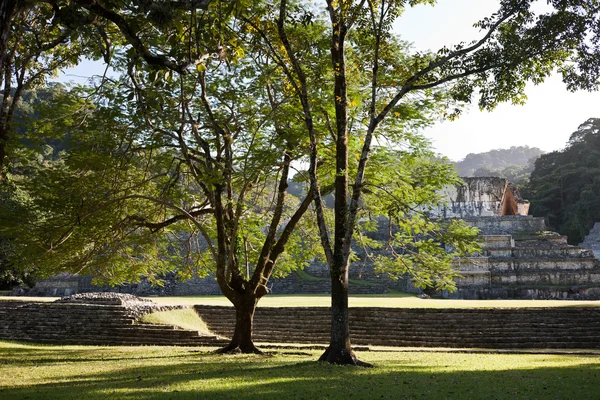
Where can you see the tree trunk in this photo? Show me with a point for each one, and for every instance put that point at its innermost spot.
(241, 341)
(2, 156)
(340, 348)
(7, 10)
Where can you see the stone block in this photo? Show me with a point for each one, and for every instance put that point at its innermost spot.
(495, 241)
(507, 225)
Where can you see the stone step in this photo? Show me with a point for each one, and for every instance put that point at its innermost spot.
(383, 340)
(535, 253)
(159, 329)
(507, 329)
(483, 328)
(572, 327)
(108, 342)
(540, 241)
(126, 336)
(550, 281)
(566, 265)
(549, 332)
(427, 315)
(493, 241)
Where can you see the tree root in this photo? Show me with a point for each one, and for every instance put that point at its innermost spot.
(342, 356)
(235, 348)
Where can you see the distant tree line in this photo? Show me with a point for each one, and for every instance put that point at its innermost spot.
(514, 164)
(565, 184)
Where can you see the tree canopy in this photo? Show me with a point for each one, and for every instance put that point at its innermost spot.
(217, 102)
(565, 184)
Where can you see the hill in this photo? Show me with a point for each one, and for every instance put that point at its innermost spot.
(515, 163)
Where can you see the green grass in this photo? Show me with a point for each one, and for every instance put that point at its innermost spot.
(186, 319)
(400, 300)
(77, 372)
(27, 298)
(383, 300)
(306, 277)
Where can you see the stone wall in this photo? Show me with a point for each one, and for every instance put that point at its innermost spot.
(507, 225)
(95, 324)
(512, 328)
(533, 266)
(477, 197)
(481, 197)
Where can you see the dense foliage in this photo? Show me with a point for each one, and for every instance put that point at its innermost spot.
(216, 102)
(565, 184)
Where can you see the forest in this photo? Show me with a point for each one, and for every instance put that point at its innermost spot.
(565, 185)
(515, 163)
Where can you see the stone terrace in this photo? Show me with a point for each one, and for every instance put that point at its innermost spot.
(93, 324)
(516, 328)
(510, 328)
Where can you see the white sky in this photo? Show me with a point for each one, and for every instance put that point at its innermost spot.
(546, 121)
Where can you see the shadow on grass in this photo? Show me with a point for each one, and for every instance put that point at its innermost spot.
(207, 376)
(46, 354)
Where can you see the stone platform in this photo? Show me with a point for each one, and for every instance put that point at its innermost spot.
(533, 266)
(499, 328)
(94, 322)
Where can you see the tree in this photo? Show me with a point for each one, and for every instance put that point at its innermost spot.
(39, 38)
(565, 184)
(202, 145)
(33, 46)
(515, 47)
(175, 71)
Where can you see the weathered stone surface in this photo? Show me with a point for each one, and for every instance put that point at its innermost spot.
(498, 241)
(482, 197)
(100, 324)
(103, 298)
(507, 225)
(592, 240)
(538, 266)
(513, 328)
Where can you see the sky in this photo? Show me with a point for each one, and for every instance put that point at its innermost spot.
(546, 121)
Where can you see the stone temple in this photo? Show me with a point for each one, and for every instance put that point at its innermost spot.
(519, 258)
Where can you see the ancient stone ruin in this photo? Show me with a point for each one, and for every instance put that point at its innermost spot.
(95, 318)
(520, 259)
(519, 262)
(482, 197)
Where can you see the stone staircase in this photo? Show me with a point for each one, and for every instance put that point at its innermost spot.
(528, 265)
(90, 324)
(522, 328)
(518, 328)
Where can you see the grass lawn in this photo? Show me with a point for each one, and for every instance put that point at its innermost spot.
(384, 300)
(186, 319)
(77, 372)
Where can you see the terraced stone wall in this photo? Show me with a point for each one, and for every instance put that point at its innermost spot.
(506, 328)
(64, 323)
(507, 225)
